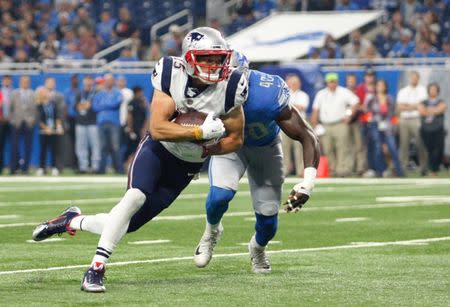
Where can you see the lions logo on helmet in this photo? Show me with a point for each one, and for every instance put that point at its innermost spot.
(203, 42)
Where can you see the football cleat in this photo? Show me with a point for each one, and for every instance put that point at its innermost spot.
(204, 250)
(260, 262)
(58, 225)
(93, 280)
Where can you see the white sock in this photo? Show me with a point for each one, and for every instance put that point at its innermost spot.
(90, 223)
(116, 224)
(211, 227)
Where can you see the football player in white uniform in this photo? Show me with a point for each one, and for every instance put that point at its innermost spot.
(167, 159)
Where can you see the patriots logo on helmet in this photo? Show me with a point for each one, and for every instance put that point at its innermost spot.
(195, 36)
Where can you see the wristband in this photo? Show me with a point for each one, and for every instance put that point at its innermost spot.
(309, 175)
(198, 133)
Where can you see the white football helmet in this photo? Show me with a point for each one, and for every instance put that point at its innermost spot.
(205, 41)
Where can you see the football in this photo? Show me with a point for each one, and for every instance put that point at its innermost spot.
(190, 119)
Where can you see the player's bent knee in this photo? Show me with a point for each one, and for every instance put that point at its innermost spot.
(266, 228)
(217, 203)
(134, 198)
(219, 196)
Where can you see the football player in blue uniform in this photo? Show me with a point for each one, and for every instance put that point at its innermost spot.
(167, 159)
(266, 110)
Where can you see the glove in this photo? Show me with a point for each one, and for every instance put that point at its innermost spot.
(212, 128)
(298, 197)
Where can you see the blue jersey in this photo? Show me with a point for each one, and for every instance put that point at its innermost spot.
(268, 96)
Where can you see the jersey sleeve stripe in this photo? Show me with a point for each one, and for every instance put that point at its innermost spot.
(166, 75)
(230, 93)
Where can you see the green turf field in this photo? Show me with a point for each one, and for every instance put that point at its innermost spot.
(357, 242)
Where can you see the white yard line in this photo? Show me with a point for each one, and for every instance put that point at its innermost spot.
(351, 219)
(440, 221)
(204, 180)
(284, 251)
(421, 198)
(50, 240)
(251, 213)
(9, 217)
(17, 225)
(145, 242)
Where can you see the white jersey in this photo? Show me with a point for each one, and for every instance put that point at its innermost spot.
(170, 77)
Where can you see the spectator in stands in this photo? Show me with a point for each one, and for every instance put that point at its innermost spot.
(292, 150)
(172, 45)
(7, 40)
(69, 38)
(379, 130)
(409, 9)
(403, 48)
(263, 8)
(86, 130)
(333, 107)
(321, 5)
(446, 48)
(384, 42)
(243, 15)
(432, 127)
(127, 96)
(124, 27)
(357, 47)
(136, 122)
(331, 49)
(4, 58)
(346, 5)
(63, 25)
(358, 149)
(22, 115)
(87, 42)
(106, 104)
(50, 126)
(425, 50)
(83, 20)
(71, 52)
(155, 51)
(58, 98)
(21, 56)
(371, 53)
(126, 55)
(5, 94)
(104, 29)
(408, 100)
(49, 48)
(70, 98)
(395, 25)
(286, 5)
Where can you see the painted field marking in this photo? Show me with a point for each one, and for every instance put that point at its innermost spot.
(9, 217)
(149, 242)
(440, 221)
(294, 180)
(351, 219)
(18, 225)
(270, 243)
(283, 251)
(250, 219)
(251, 213)
(47, 241)
(421, 198)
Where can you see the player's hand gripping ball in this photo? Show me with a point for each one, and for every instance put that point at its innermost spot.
(199, 119)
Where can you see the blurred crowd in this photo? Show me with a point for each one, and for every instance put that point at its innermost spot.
(77, 29)
(366, 132)
(409, 28)
(62, 29)
(94, 122)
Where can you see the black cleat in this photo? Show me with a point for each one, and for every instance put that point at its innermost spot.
(93, 280)
(56, 226)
